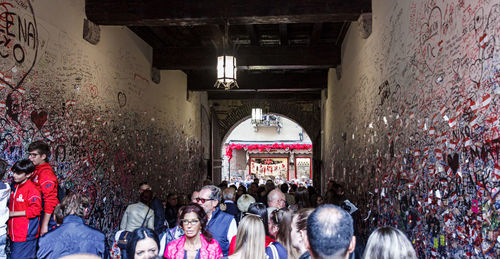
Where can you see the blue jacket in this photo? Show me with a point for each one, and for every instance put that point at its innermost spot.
(231, 208)
(218, 226)
(305, 255)
(72, 237)
(157, 206)
(280, 249)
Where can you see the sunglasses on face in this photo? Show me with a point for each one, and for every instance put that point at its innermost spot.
(202, 201)
(190, 222)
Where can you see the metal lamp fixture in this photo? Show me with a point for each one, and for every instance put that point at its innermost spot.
(256, 115)
(226, 72)
(226, 66)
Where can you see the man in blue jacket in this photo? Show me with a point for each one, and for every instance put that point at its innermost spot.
(73, 236)
(221, 225)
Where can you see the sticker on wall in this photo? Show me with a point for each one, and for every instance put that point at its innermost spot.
(122, 99)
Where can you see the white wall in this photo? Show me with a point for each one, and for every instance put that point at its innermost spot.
(290, 131)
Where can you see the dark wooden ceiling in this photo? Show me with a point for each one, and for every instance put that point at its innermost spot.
(283, 47)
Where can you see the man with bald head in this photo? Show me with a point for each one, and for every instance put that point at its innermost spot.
(330, 233)
(275, 200)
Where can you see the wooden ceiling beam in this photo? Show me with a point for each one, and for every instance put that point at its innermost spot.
(316, 33)
(311, 81)
(251, 58)
(254, 39)
(283, 34)
(245, 95)
(203, 12)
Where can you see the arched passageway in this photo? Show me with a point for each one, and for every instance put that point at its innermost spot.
(226, 116)
(275, 148)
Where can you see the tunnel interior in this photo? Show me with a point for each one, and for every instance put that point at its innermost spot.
(401, 105)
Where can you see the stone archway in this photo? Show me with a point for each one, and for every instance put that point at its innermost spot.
(241, 131)
(227, 113)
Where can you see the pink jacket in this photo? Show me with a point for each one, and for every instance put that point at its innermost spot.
(175, 249)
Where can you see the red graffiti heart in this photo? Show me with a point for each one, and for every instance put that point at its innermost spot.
(39, 118)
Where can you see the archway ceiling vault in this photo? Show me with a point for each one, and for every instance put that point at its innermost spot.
(305, 113)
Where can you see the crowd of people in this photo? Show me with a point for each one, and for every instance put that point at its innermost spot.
(255, 220)
(243, 219)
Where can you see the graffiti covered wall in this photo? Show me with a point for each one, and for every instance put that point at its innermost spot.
(412, 125)
(109, 126)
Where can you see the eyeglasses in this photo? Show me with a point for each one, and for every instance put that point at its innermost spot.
(33, 154)
(202, 201)
(190, 222)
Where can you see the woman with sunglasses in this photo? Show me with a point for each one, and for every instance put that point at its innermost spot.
(197, 242)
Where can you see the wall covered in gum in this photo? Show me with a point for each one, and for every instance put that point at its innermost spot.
(109, 126)
(412, 126)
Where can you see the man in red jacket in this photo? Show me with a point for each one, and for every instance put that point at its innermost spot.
(46, 180)
(25, 207)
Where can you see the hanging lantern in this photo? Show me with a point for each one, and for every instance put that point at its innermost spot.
(226, 65)
(226, 72)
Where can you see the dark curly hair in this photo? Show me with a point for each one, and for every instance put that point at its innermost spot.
(202, 216)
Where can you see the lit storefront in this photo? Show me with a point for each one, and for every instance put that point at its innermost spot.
(267, 146)
(269, 167)
(270, 161)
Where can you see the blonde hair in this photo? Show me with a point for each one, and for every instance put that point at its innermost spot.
(387, 243)
(251, 238)
(244, 202)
